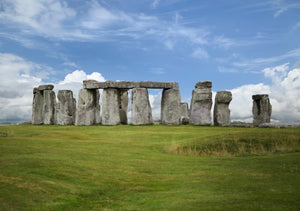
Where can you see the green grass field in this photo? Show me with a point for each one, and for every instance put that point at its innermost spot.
(149, 168)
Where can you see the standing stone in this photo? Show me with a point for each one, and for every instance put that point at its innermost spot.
(221, 109)
(201, 104)
(88, 108)
(123, 104)
(185, 119)
(170, 107)
(261, 109)
(37, 107)
(111, 107)
(49, 107)
(43, 105)
(65, 110)
(141, 113)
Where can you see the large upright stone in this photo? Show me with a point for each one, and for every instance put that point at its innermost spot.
(141, 113)
(111, 107)
(170, 107)
(123, 97)
(261, 109)
(65, 109)
(88, 108)
(221, 109)
(43, 105)
(201, 104)
(49, 107)
(37, 107)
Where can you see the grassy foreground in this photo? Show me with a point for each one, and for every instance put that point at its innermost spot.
(149, 168)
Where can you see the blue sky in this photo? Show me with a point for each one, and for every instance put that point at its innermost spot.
(247, 47)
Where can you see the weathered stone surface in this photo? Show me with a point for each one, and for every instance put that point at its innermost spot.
(170, 107)
(185, 117)
(201, 104)
(37, 107)
(111, 107)
(65, 109)
(261, 109)
(221, 109)
(203, 84)
(92, 84)
(49, 107)
(123, 97)
(88, 108)
(141, 113)
(45, 87)
(43, 105)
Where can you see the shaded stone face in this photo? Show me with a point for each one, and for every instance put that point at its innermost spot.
(88, 108)
(201, 104)
(221, 109)
(141, 113)
(123, 104)
(185, 117)
(65, 109)
(261, 109)
(170, 107)
(111, 107)
(49, 107)
(43, 105)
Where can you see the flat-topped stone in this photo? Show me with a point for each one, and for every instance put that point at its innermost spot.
(45, 87)
(259, 96)
(92, 84)
(203, 84)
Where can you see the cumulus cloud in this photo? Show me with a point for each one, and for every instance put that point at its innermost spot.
(284, 93)
(18, 78)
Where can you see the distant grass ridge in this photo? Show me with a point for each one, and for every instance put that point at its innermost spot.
(243, 144)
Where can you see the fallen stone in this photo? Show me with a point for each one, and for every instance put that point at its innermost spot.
(65, 109)
(221, 108)
(170, 107)
(88, 108)
(141, 113)
(261, 109)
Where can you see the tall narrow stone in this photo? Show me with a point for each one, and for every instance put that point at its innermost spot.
(261, 109)
(43, 105)
(111, 107)
(88, 108)
(37, 107)
(123, 97)
(170, 107)
(221, 109)
(65, 109)
(201, 104)
(141, 113)
(49, 107)
(185, 117)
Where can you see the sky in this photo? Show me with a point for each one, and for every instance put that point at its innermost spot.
(247, 47)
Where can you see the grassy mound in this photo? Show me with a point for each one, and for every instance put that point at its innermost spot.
(138, 168)
(243, 144)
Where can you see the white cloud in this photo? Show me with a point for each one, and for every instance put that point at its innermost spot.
(19, 77)
(284, 93)
(155, 4)
(16, 83)
(200, 53)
